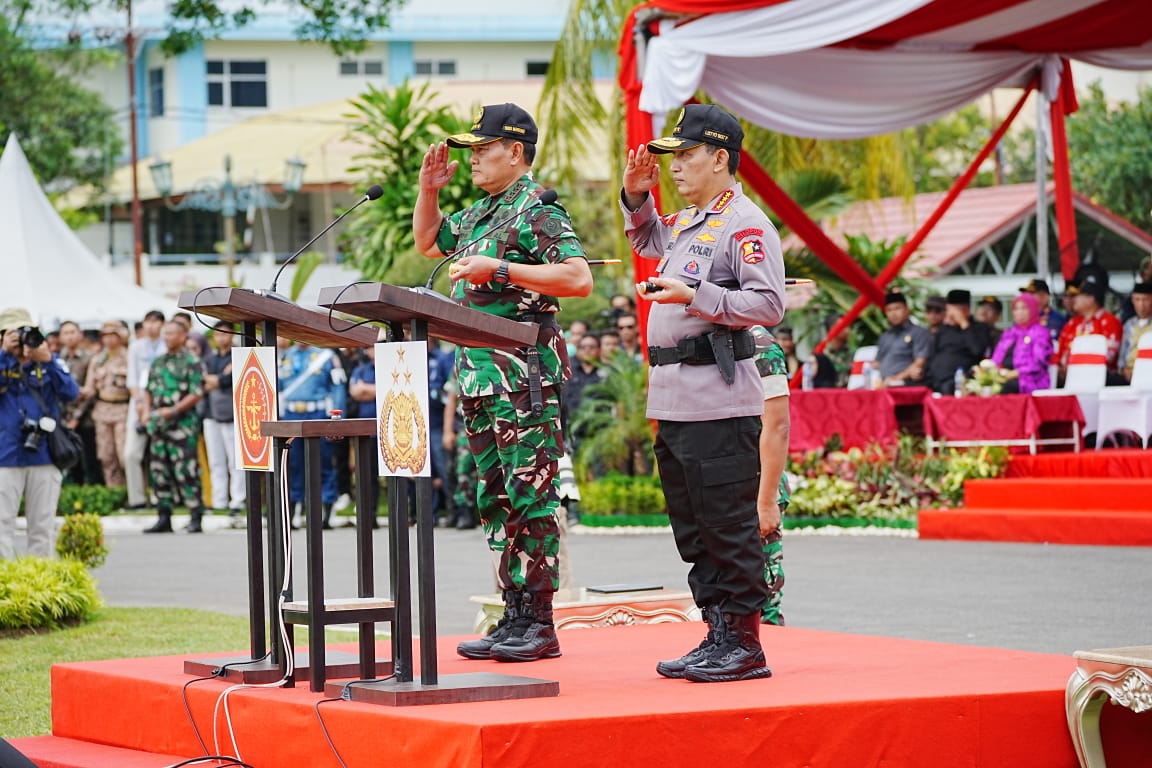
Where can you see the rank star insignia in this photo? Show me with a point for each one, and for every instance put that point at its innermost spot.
(752, 251)
(704, 237)
(723, 200)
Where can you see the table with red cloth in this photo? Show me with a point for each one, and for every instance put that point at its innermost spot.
(859, 416)
(1023, 421)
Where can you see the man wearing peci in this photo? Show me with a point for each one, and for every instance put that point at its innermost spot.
(720, 272)
(512, 257)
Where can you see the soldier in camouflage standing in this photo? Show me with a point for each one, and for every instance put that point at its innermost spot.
(175, 385)
(774, 494)
(519, 256)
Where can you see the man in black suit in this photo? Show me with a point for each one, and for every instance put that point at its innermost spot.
(960, 343)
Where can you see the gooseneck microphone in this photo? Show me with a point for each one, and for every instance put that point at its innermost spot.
(547, 197)
(373, 193)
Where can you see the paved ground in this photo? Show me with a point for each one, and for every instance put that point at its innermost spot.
(1024, 596)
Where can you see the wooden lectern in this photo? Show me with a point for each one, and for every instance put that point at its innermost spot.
(430, 315)
(262, 318)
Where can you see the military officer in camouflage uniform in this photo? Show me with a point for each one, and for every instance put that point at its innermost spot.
(175, 385)
(720, 272)
(774, 495)
(524, 257)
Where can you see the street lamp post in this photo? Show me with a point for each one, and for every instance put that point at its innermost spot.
(226, 197)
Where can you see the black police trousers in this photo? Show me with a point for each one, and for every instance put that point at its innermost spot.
(710, 471)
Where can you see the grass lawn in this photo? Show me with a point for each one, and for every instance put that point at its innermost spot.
(114, 633)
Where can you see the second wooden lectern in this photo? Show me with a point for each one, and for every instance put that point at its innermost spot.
(429, 315)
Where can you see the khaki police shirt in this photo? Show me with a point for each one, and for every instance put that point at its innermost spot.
(732, 251)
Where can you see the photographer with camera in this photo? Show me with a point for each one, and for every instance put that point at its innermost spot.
(33, 386)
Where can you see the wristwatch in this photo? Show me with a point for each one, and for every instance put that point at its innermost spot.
(501, 277)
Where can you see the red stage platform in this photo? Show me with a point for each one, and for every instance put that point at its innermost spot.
(835, 700)
(1091, 510)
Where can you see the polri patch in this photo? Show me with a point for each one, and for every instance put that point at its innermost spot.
(752, 251)
(692, 268)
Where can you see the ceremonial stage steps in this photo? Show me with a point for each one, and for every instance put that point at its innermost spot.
(1090, 498)
(834, 700)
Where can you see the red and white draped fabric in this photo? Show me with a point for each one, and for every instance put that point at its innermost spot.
(853, 68)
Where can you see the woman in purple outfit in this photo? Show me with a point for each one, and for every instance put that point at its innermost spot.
(1025, 348)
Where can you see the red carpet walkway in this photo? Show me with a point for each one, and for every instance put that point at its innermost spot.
(835, 700)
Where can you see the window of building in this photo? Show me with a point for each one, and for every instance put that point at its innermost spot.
(156, 92)
(440, 67)
(367, 67)
(536, 68)
(237, 83)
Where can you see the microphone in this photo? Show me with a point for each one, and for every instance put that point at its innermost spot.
(547, 197)
(373, 193)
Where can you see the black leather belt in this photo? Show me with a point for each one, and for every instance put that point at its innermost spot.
(697, 350)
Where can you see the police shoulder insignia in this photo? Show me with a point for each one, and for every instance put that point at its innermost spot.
(723, 200)
(749, 232)
(752, 251)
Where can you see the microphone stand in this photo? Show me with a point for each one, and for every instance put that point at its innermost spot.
(374, 192)
(547, 197)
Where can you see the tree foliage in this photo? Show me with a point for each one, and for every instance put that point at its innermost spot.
(1110, 146)
(395, 128)
(344, 25)
(67, 132)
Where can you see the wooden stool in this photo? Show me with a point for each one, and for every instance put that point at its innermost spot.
(1123, 675)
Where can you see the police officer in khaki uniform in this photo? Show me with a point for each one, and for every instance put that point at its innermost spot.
(720, 271)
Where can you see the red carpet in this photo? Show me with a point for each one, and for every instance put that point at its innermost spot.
(1116, 463)
(1093, 510)
(835, 700)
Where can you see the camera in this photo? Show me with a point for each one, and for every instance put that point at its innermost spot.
(32, 434)
(30, 336)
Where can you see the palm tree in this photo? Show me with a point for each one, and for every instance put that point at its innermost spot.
(395, 128)
(617, 434)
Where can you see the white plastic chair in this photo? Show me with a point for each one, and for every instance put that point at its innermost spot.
(1129, 409)
(1087, 372)
(857, 378)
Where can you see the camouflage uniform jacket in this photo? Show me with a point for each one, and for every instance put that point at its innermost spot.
(544, 236)
(170, 379)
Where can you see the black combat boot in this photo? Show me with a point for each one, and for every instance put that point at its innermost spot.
(533, 635)
(194, 523)
(164, 523)
(482, 648)
(737, 657)
(675, 667)
(326, 521)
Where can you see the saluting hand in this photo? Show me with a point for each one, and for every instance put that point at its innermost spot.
(641, 175)
(436, 171)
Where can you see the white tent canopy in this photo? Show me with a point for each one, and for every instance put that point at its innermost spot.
(46, 268)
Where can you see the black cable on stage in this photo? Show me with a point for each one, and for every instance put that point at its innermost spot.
(345, 695)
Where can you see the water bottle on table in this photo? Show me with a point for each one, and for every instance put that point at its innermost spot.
(958, 382)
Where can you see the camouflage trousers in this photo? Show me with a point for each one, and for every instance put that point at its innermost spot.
(773, 543)
(464, 494)
(175, 468)
(517, 499)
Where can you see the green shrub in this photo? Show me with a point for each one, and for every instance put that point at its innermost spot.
(36, 593)
(98, 499)
(616, 494)
(82, 538)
